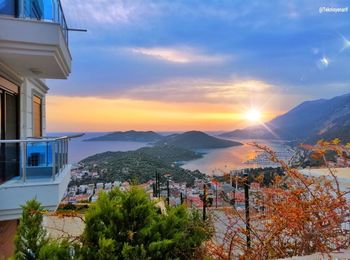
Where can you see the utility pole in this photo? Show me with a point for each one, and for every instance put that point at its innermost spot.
(216, 196)
(154, 189)
(234, 192)
(158, 188)
(204, 201)
(168, 192)
(247, 217)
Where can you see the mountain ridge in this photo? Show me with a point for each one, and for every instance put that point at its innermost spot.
(308, 122)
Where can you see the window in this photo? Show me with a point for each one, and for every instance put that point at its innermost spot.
(9, 129)
(37, 116)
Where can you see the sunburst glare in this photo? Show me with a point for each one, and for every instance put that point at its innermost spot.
(253, 115)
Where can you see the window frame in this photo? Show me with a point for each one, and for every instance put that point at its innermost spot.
(39, 97)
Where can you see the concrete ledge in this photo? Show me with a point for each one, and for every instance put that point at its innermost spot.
(34, 48)
(49, 193)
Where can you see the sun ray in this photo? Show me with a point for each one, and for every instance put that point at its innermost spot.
(253, 115)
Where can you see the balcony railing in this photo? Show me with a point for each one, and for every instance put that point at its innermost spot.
(33, 158)
(45, 10)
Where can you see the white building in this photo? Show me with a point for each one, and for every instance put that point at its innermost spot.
(83, 188)
(33, 48)
(99, 186)
(108, 185)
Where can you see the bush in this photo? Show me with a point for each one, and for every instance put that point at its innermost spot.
(127, 225)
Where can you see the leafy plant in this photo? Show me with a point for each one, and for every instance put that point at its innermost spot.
(296, 215)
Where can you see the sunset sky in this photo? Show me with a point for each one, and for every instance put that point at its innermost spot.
(184, 65)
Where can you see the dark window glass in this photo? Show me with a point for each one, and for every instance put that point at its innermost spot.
(9, 153)
(11, 122)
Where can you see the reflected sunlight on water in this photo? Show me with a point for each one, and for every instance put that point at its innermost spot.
(217, 161)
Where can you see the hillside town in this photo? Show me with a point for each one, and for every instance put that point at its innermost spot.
(178, 193)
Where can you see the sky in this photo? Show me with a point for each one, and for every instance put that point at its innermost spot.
(185, 65)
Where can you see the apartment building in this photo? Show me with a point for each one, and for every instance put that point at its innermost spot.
(33, 48)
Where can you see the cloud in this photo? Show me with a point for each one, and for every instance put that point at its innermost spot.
(202, 91)
(177, 55)
(96, 114)
(193, 51)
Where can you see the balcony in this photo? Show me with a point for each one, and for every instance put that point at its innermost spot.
(33, 168)
(34, 38)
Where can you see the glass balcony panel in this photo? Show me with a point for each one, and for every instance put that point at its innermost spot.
(7, 7)
(33, 158)
(38, 159)
(48, 10)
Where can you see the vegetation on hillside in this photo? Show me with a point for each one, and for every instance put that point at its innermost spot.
(196, 140)
(141, 165)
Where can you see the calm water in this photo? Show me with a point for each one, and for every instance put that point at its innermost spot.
(78, 149)
(217, 161)
(214, 161)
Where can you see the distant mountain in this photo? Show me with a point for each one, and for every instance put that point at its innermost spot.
(196, 140)
(129, 136)
(308, 122)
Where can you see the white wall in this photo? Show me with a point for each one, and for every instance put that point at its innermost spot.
(29, 88)
(15, 193)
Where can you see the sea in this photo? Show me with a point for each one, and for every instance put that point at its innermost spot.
(214, 161)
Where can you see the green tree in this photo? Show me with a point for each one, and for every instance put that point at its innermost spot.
(58, 250)
(127, 225)
(30, 235)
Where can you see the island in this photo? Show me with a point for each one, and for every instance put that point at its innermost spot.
(129, 136)
(141, 165)
(194, 140)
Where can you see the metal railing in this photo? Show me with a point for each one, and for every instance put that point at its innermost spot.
(34, 157)
(45, 10)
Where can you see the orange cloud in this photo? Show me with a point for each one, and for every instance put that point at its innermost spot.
(98, 114)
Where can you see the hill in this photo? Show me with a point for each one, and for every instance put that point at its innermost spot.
(141, 165)
(308, 122)
(196, 140)
(129, 136)
(170, 153)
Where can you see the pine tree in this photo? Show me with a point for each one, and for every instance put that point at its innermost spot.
(127, 225)
(30, 236)
(58, 250)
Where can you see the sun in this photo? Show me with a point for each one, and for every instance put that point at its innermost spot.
(253, 115)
